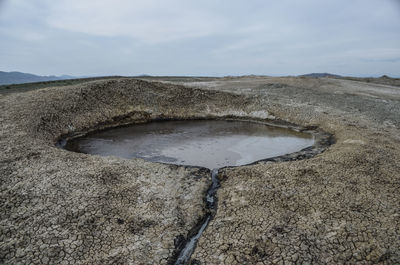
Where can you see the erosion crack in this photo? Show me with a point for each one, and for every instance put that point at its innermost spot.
(211, 200)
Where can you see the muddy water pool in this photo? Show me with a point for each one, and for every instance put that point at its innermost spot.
(206, 143)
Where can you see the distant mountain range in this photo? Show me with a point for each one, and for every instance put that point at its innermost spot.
(320, 75)
(7, 78)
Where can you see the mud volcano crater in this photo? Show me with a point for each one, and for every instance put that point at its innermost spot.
(207, 143)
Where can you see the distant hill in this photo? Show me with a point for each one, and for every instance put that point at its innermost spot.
(19, 78)
(320, 75)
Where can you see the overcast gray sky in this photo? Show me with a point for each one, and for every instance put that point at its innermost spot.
(207, 37)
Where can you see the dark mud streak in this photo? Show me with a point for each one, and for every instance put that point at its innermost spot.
(182, 257)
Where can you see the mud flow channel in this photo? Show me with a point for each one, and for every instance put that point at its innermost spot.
(212, 144)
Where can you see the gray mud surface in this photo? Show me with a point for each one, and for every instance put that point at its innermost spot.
(205, 143)
(338, 206)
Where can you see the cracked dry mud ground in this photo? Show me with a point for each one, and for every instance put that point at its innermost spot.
(341, 206)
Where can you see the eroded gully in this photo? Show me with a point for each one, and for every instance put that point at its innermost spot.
(210, 200)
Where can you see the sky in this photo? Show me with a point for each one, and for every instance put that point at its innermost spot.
(200, 38)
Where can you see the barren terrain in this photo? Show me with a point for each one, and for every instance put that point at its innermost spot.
(338, 206)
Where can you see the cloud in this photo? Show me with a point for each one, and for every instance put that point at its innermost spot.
(84, 37)
(387, 60)
(151, 21)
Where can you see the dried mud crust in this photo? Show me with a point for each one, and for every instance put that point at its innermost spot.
(69, 208)
(341, 206)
